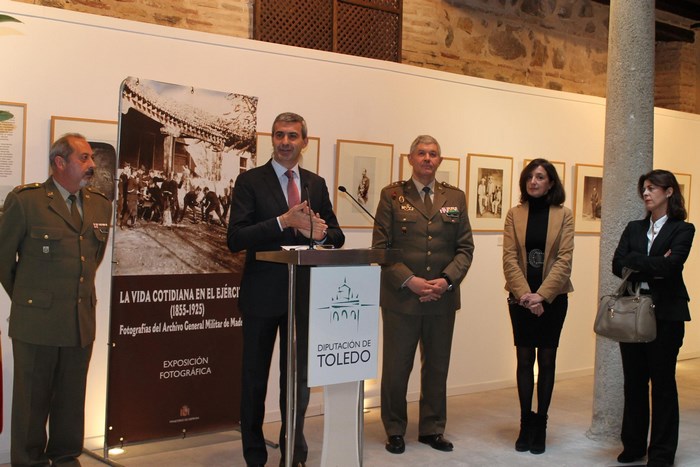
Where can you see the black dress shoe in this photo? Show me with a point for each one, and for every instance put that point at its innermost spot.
(395, 444)
(627, 457)
(438, 442)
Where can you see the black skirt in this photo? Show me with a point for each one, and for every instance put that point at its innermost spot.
(529, 330)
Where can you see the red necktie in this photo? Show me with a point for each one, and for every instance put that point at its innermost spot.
(292, 190)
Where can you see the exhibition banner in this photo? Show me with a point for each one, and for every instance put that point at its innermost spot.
(175, 356)
(343, 324)
(175, 328)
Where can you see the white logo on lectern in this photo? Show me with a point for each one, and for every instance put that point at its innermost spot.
(345, 306)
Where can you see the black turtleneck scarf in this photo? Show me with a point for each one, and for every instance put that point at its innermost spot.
(535, 240)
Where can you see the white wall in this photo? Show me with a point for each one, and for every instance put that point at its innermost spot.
(71, 64)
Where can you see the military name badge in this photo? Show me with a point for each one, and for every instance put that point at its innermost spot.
(450, 211)
(102, 227)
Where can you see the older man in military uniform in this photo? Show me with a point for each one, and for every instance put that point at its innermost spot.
(427, 221)
(54, 235)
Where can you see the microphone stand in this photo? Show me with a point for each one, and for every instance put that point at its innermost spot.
(312, 245)
(344, 190)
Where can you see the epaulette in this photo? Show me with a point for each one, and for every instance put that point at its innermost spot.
(95, 191)
(28, 186)
(395, 184)
(447, 185)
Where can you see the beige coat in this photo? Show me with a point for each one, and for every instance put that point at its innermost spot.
(558, 253)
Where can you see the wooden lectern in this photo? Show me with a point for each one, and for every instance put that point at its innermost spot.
(343, 419)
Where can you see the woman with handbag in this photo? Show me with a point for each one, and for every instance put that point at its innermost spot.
(538, 245)
(656, 248)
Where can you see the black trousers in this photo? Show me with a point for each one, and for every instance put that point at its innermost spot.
(656, 362)
(259, 334)
(49, 384)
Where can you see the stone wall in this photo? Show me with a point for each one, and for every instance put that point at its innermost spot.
(676, 76)
(553, 44)
(228, 17)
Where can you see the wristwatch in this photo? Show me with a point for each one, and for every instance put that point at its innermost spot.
(449, 282)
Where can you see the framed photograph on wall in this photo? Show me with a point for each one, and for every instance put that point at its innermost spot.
(309, 155)
(489, 180)
(560, 166)
(102, 136)
(363, 168)
(588, 198)
(447, 172)
(13, 136)
(684, 182)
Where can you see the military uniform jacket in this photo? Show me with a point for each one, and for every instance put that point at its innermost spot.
(432, 244)
(48, 264)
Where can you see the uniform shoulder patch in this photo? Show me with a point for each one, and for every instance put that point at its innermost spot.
(447, 185)
(95, 191)
(28, 186)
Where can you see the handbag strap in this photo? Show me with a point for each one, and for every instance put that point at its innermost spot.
(623, 285)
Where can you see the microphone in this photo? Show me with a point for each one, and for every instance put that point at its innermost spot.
(342, 188)
(311, 220)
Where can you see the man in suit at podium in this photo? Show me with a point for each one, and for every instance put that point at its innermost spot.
(428, 222)
(276, 204)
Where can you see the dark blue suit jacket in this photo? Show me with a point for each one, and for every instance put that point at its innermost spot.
(257, 201)
(664, 274)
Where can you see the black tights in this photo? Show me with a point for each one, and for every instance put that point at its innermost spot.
(546, 364)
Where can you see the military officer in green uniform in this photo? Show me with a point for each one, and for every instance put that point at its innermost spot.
(54, 235)
(428, 222)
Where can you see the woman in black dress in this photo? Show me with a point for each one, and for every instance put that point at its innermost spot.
(656, 247)
(538, 245)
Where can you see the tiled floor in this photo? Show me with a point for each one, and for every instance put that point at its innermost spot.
(483, 427)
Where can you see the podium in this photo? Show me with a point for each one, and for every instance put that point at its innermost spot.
(344, 407)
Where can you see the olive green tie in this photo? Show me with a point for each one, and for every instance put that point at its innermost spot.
(74, 213)
(426, 199)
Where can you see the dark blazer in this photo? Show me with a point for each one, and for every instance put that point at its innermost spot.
(48, 265)
(431, 243)
(257, 201)
(664, 274)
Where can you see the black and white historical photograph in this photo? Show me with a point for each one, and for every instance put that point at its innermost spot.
(105, 164)
(593, 192)
(588, 198)
(363, 175)
(363, 168)
(181, 149)
(489, 180)
(489, 193)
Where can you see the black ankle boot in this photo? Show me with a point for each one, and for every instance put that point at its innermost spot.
(539, 434)
(522, 444)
